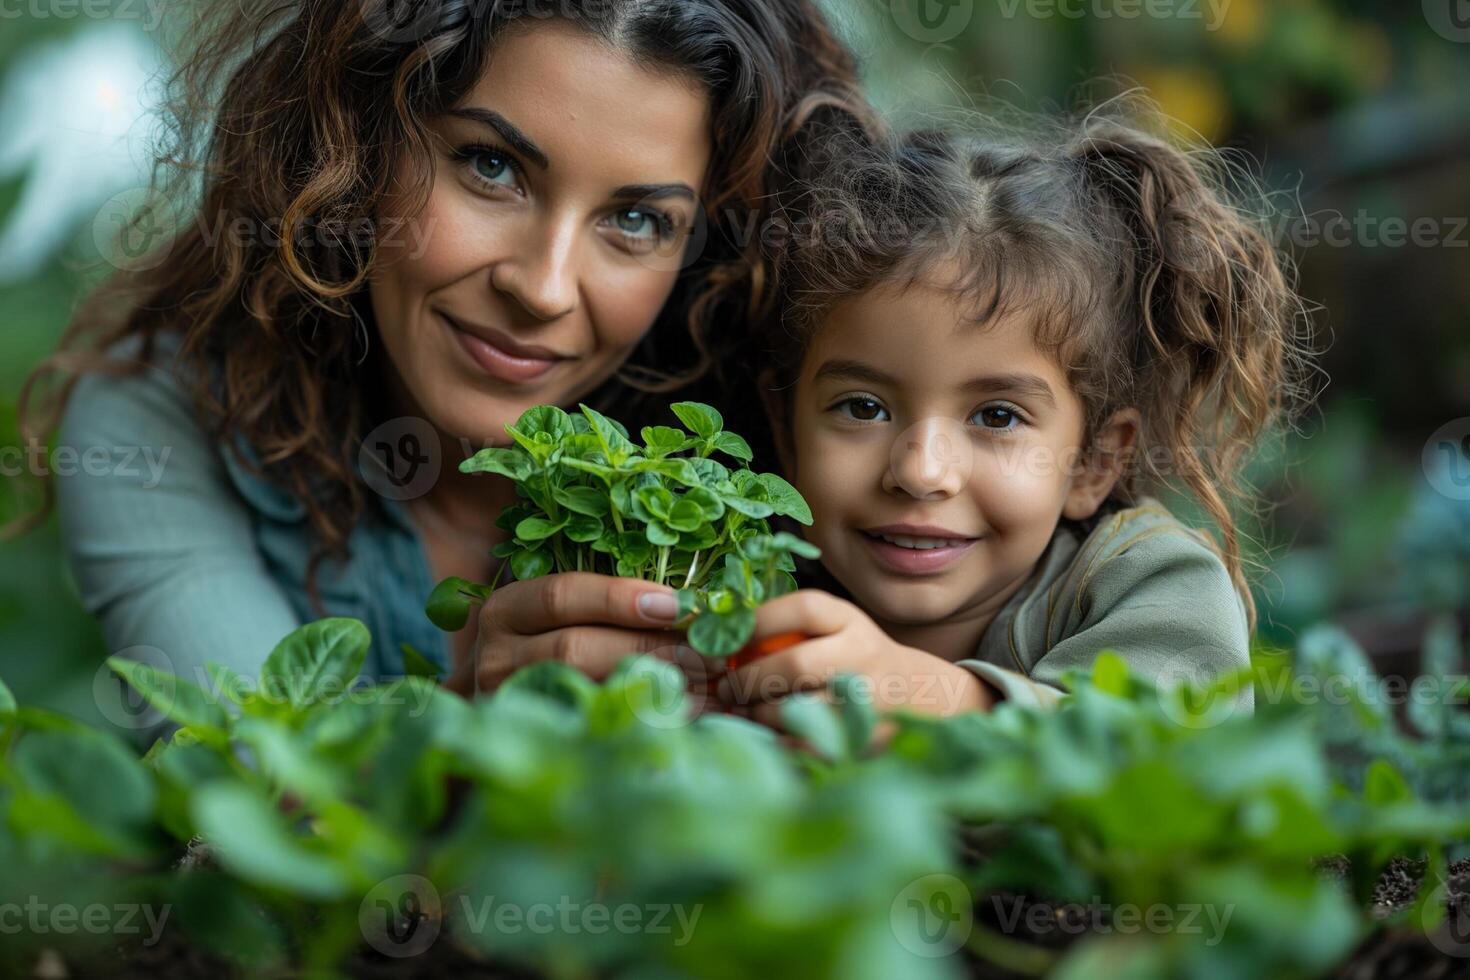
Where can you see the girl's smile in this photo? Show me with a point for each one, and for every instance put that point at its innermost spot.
(910, 549)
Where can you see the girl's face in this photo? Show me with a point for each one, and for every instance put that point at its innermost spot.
(544, 252)
(937, 455)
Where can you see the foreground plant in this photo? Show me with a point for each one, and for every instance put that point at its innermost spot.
(665, 510)
(336, 813)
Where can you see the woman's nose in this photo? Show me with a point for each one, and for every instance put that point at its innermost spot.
(540, 272)
(930, 460)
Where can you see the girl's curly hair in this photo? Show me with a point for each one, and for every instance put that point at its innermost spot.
(291, 116)
(1145, 268)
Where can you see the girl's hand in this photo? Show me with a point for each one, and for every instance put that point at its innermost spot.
(844, 639)
(588, 621)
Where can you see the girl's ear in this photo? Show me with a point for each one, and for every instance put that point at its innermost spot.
(775, 401)
(1105, 462)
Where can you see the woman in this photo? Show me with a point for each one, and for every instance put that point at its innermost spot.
(411, 231)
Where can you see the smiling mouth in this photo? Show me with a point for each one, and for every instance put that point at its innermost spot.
(496, 361)
(916, 555)
(917, 543)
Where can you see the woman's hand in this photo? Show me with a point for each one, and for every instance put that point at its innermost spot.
(579, 618)
(844, 639)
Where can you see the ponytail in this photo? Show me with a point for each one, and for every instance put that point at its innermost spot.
(1211, 313)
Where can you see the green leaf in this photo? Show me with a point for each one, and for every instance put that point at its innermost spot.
(583, 500)
(558, 681)
(785, 498)
(856, 710)
(318, 660)
(613, 436)
(179, 700)
(534, 529)
(415, 664)
(809, 717)
(513, 462)
(1110, 674)
(652, 503)
(7, 701)
(449, 604)
(732, 445)
(528, 564)
(662, 535)
(1383, 784)
(583, 529)
(711, 507)
(661, 440)
(545, 420)
(719, 634)
(251, 841)
(685, 515)
(93, 776)
(699, 418)
(757, 509)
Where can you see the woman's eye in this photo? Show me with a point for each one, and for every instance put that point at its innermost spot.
(489, 166)
(1005, 417)
(861, 409)
(642, 228)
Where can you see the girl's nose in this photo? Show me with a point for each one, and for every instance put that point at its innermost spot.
(930, 460)
(540, 272)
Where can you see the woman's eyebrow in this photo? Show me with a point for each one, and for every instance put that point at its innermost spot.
(638, 192)
(518, 140)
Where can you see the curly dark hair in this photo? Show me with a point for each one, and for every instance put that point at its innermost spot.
(295, 113)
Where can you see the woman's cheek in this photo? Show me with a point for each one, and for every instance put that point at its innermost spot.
(624, 304)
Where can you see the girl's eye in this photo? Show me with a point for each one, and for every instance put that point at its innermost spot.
(1006, 416)
(861, 409)
(642, 229)
(488, 165)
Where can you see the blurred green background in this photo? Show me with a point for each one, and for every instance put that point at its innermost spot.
(1359, 113)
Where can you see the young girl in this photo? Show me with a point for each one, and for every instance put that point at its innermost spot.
(989, 353)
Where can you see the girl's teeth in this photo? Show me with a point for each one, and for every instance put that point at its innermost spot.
(922, 544)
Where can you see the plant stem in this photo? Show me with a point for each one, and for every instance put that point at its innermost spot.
(693, 564)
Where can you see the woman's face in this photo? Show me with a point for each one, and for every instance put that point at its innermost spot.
(543, 254)
(905, 414)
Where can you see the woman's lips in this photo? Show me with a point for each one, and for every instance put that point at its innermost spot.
(916, 561)
(496, 362)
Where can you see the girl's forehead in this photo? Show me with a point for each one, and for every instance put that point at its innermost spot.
(925, 322)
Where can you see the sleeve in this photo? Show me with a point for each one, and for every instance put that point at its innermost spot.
(160, 545)
(1167, 606)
